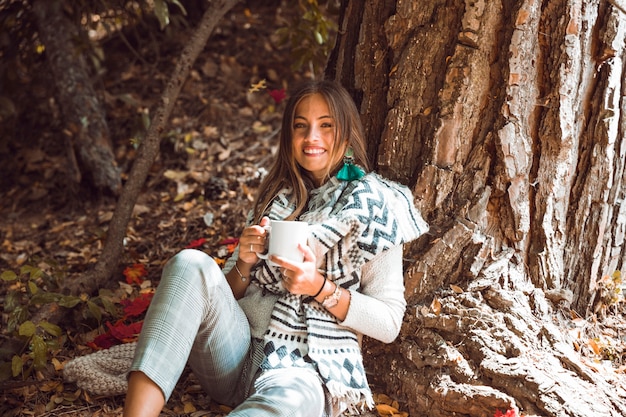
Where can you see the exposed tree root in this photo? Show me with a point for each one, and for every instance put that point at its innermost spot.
(473, 353)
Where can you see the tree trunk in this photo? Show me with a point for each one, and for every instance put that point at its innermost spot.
(508, 120)
(87, 129)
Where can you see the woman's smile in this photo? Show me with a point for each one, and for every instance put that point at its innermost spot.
(310, 151)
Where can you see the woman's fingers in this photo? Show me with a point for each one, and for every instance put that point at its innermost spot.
(251, 242)
(309, 256)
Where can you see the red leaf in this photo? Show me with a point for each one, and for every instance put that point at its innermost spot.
(124, 332)
(103, 341)
(229, 241)
(135, 273)
(138, 306)
(277, 95)
(196, 243)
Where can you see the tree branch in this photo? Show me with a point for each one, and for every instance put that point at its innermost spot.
(148, 151)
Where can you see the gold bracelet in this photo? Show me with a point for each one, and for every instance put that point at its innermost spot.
(243, 279)
(333, 299)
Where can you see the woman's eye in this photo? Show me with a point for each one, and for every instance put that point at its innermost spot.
(298, 126)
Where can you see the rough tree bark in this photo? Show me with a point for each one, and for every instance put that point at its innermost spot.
(88, 141)
(508, 120)
(147, 153)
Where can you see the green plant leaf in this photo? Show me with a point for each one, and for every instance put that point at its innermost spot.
(11, 301)
(39, 352)
(17, 364)
(27, 329)
(109, 307)
(105, 297)
(44, 297)
(69, 301)
(18, 316)
(32, 287)
(95, 310)
(50, 328)
(8, 276)
(33, 271)
(161, 12)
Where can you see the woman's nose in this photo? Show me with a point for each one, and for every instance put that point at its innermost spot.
(314, 133)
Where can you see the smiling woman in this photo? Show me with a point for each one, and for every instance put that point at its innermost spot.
(245, 330)
(270, 336)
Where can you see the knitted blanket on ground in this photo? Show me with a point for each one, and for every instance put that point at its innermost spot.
(349, 224)
(103, 372)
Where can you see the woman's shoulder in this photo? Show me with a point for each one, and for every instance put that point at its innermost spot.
(399, 202)
(374, 177)
(386, 188)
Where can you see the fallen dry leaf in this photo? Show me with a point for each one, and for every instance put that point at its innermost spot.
(456, 289)
(435, 306)
(385, 410)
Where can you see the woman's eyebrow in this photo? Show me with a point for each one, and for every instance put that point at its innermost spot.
(319, 118)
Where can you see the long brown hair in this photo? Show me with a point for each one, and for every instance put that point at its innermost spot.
(286, 172)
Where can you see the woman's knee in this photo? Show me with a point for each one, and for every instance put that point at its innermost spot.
(192, 263)
(193, 257)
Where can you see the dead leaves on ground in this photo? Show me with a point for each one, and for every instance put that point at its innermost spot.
(600, 344)
(387, 406)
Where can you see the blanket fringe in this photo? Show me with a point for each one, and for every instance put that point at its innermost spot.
(355, 401)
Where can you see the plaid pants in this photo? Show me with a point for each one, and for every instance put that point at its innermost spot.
(194, 318)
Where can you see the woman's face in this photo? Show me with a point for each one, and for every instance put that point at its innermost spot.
(313, 136)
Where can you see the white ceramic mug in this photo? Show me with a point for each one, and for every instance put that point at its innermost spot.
(284, 236)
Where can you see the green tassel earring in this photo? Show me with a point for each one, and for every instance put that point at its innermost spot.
(349, 171)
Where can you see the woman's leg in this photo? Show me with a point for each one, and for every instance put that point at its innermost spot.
(284, 393)
(144, 398)
(193, 308)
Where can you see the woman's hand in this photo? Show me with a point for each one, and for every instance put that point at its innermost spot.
(252, 241)
(300, 277)
(303, 278)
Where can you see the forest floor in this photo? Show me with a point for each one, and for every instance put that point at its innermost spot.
(220, 140)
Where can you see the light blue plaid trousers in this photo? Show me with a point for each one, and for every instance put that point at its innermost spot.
(194, 318)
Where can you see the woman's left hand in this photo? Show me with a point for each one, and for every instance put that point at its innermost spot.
(300, 278)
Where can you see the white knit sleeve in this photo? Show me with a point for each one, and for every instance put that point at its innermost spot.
(377, 309)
